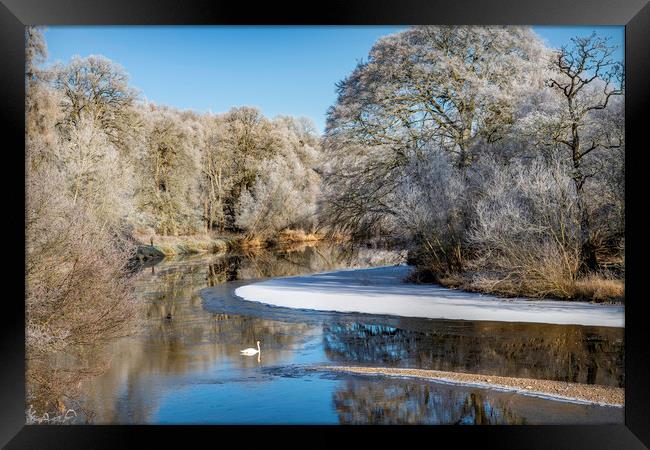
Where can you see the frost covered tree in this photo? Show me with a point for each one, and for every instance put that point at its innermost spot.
(579, 118)
(96, 88)
(588, 80)
(41, 102)
(77, 289)
(526, 230)
(285, 193)
(217, 168)
(423, 91)
(169, 178)
(248, 140)
(443, 86)
(35, 53)
(94, 173)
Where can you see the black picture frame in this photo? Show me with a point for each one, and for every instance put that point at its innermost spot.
(634, 14)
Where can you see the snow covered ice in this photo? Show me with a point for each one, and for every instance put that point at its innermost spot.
(382, 291)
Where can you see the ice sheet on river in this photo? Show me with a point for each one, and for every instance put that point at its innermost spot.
(382, 291)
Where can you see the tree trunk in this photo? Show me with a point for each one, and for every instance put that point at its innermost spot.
(588, 260)
(206, 215)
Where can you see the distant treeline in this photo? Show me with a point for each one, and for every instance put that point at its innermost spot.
(147, 167)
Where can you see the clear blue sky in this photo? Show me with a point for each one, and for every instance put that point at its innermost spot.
(281, 70)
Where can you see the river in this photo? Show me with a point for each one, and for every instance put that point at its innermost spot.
(184, 364)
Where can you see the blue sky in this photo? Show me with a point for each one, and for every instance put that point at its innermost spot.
(281, 70)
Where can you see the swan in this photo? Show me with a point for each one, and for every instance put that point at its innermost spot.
(251, 351)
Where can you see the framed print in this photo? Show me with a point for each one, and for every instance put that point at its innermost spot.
(376, 220)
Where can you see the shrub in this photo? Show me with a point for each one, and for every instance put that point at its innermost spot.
(600, 288)
(77, 290)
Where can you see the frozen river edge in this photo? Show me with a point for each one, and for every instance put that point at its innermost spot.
(381, 290)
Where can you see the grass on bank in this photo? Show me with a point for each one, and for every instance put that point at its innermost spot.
(181, 245)
(594, 287)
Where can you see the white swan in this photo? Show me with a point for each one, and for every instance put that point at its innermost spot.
(251, 351)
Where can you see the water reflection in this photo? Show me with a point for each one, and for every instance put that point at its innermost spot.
(359, 402)
(592, 355)
(185, 366)
(179, 339)
(365, 401)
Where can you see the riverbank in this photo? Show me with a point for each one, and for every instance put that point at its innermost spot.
(151, 246)
(182, 245)
(606, 285)
(382, 291)
(591, 288)
(560, 390)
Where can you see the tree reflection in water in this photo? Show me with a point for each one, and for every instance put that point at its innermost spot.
(382, 401)
(179, 337)
(184, 343)
(592, 355)
(402, 402)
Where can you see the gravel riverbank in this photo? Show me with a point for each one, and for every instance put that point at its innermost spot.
(586, 393)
